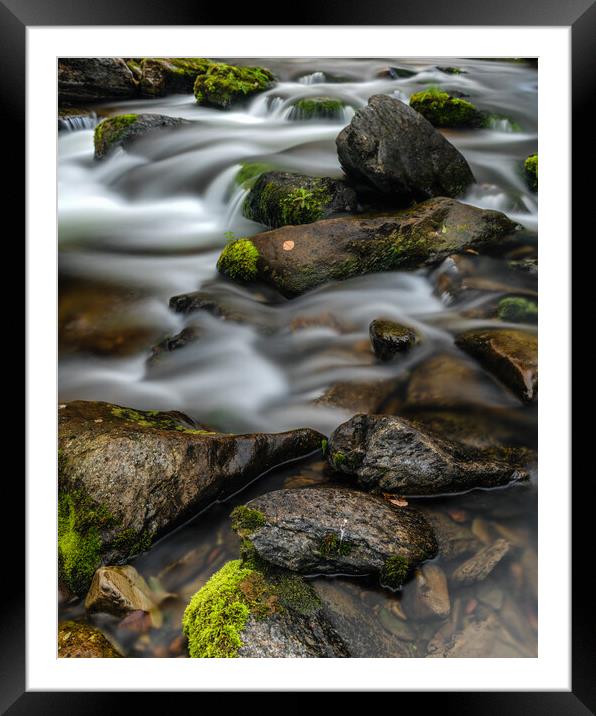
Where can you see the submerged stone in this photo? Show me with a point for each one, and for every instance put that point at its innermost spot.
(391, 149)
(128, 476)
(328, 530)
(428, 596)
(221, 85)
(281, 198)
(80, 640)
(389, 338)
(119, 590)
(389, 454)
(478, 567)
(124, 129)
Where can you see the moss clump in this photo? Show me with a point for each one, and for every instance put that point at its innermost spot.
(517, 310)
(110, 130)
(324, 445)
(80, 522)
(239, 260)
(338, 458)
(155, 419)
(130, 542)
(333, 546)
(442, 110)
(302, 206)
(394, 572)
(531, 171)
(317, 108)
(221, 85)
(249, 173)
(246, 520)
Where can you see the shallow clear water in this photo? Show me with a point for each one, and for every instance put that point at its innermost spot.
(153, 222)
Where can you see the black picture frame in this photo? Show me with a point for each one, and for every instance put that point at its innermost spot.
(16, 16)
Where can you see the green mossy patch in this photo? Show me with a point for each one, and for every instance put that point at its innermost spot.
(317, 108)
(238, 260)
(332, 545)
(110, 130)
(531, 171)
(156, 420)
(221, 85)
(394, 572)
(246, 520)
(443, 110)
(517, 310)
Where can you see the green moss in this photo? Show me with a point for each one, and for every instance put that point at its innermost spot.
(246, 520)
(317, 108)
(110, 130)
(80, 522)
(324, 445)
(155, 419)
(517, 310)
(249, 173)
(302, 206)
(331, 545)
(130, 542)
(239, 260)
(338, 458)
(394, 572)
(295, 594)
(220, 85)
(531, 171)
(442, 110)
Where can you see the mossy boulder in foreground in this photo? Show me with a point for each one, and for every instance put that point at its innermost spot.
(249, 610)
(531, 171)
(123, 129)
(127, 476)
(390, 454)
(79, 640)
(221, 85)
(281, 198)
(443, 110)
(390, 149)
(329, 530)
(295, 259)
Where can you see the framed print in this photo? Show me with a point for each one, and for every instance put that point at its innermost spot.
(283, 338)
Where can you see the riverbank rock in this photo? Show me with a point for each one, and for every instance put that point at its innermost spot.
(119, 590)
(248, 611)
(295, 259)
(531, 171)
(159, 76)
(221, 85)
(127, 476)
(389, 454)
(87, 79)
(327, 530)
(478, 567)
(80, 640)
(391, 149)
(509, 354)
(281, 198)
(389, 338)
(124, 129)
(316, 108)
(443, 110)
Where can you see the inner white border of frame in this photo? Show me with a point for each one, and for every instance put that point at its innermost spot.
(551, 669)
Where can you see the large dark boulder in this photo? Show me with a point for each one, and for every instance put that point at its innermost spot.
(390, 454)
(123, 129)
(295, 259)
(391, 149)
(85, 79)
(328, 530)
(128, 476)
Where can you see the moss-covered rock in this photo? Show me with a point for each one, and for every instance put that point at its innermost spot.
(317, 108)
(515, 309)
(239, 260)
(113, 459)
(158, 76)
(282, 198)
(388, 338)
(531, 171)
(247, 610)
(123, 129)
(221, 85)
(80, 640)
(443, 110)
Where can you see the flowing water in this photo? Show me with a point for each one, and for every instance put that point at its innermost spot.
(149, 224)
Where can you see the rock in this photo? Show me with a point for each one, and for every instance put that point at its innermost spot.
(528, 266)
(476, 638)
(360, 397)
(187, 335)
(389, 454)
(443, 110)
(531, 171)
(328, 530)
(295, 259)
(222, 85)
(454, 538)
(389, 338)
(281, 198)
(119, 590)
(391, 149)
(124, 129)
(128, 476)
(481, 564)
(79, 640)
(509, 354)
(317, 108)
(514, 309)
(246, 611)
(394, 73)
(85, 79)
(158, 76)
(452, 70)
(429, 597)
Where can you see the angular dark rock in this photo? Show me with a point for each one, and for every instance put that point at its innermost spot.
(389, 454)
(391, 149)
(87, 79)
